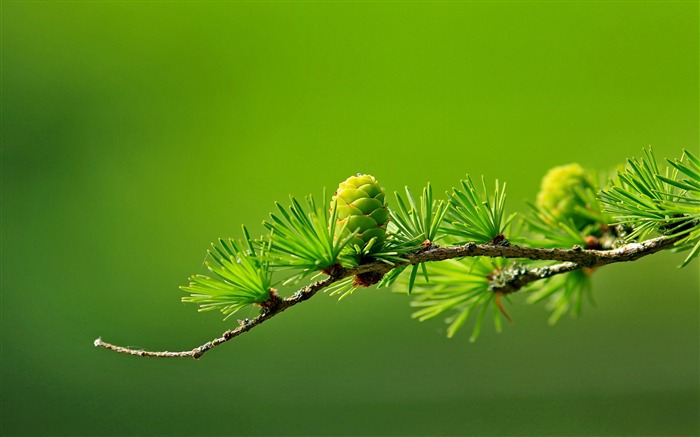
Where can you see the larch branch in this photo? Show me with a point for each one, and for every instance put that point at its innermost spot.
(571, 259)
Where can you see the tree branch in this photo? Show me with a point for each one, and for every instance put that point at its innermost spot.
(243, 326)
(572, 259)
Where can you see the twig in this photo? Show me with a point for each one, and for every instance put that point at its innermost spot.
(243, 326)
(572, 259)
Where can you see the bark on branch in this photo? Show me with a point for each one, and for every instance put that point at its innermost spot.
(572, 259)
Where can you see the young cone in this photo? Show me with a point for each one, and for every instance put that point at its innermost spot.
(558, 196)
(361, 206)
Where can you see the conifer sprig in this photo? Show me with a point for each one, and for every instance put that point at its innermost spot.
(565, 294)
(418, 221)
(687, 201)
(551, 231)
(473, 216)
(308, 239)
(651, 201)
(415, 225)
(241, 277)
(459, 289)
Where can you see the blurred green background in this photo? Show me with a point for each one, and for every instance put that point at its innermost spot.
(135, 133)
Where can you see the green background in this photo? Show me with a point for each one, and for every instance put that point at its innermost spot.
(135, 133)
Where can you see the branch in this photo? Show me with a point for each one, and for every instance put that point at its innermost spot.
(575, 259)
(243, 325)
(572, 259)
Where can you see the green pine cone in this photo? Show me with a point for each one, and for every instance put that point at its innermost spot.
(360, 203)
(557, 193)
